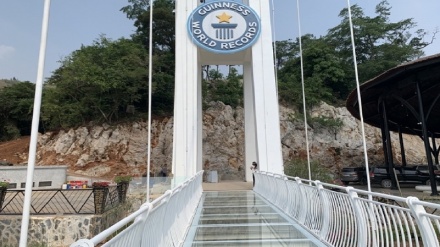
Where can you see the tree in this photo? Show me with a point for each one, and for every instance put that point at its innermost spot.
(328, 62)
(163, 46)
(231, 91)
(97, 83)
(323, 75)
(380, 43)
(285, 50)
(16, 103)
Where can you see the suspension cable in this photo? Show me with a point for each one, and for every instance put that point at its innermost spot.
(150, 73)
(274, 47)
(303, 91)
(359, 100)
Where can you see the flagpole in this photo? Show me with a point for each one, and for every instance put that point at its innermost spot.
(34, 131)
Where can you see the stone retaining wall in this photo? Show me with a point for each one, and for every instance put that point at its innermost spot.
(59, 230)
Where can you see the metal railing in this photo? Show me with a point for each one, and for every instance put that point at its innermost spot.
(163, 222)
(345, 216)
(57, 201)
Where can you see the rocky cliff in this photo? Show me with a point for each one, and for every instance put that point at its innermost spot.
(109, 150)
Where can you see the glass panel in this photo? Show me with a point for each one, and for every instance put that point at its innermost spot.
(241, 218)
(276, 243)
(237, 210)
(248, 232)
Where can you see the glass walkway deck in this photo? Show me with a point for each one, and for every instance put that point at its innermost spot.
(242, 218)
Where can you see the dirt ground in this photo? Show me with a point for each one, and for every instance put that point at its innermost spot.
(16, 152)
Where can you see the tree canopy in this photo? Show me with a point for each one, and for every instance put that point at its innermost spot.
(328, 61)
(217, 87)
(97, 82)
(16, 102)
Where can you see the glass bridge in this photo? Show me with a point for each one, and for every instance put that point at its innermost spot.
(279, 211)
(242, 218)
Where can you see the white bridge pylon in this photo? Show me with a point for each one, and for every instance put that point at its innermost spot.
(225, 33)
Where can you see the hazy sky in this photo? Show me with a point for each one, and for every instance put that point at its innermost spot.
(76, 22)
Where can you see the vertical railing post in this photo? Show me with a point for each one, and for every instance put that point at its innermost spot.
(326, 205)
(286, 194)
(278, 193)
(303, 206)
(266, 184)
(258, 182)
(143, 218)
(271, 186)
(360, 217)
(165, 226)
(424, 223)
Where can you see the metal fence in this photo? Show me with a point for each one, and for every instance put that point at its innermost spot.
(164, 222)
(344, 216)
(57, 201)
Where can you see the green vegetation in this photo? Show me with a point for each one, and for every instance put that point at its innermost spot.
(299, 168)
(328, 63)
(123, 179)
(96, 83)
(4, 184)
(107, 81)
(216, 87)
(322, 122)
(16, 103)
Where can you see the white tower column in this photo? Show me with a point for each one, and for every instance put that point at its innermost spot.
(225, 33)
(250, 142)
(187, 97)
(265, 95)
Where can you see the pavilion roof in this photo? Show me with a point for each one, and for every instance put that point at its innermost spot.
(397, 87)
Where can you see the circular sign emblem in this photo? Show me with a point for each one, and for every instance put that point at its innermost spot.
(224, 26)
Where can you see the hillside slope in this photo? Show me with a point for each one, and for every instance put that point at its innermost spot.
(106, 150)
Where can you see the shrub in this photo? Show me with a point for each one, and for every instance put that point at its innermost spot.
(332, 124)
(122, 179)
(4, 184)
(299, 168)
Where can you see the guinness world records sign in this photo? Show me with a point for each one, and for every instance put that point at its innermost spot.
(224, 26)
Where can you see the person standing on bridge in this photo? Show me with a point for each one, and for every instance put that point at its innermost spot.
(254, 169)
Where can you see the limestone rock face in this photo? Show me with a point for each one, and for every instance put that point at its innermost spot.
(223, 141)
(108, 150)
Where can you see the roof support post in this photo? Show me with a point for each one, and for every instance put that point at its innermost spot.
(435, 150)
(384, 141)
(389, 151)
(426, 142)
(402, 147)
